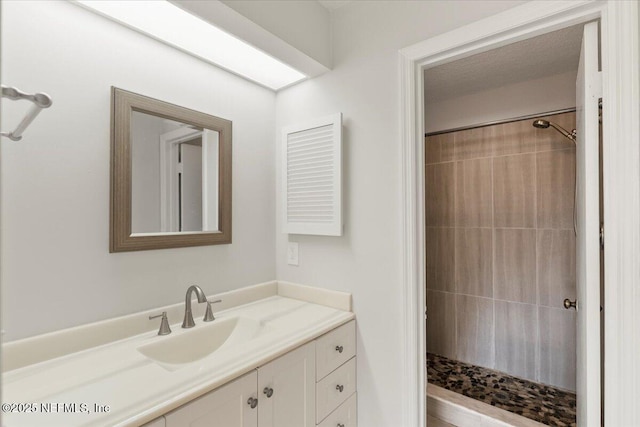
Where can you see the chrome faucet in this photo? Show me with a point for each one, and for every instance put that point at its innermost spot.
(188, 315)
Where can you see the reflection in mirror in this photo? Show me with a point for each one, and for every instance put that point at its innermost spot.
(174, 176)
(170, 175)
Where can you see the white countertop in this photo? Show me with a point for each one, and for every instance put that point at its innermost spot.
(137, 389)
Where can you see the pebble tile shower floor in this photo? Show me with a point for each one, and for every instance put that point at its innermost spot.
(539, 402)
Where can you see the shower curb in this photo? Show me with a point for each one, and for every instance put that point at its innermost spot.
(463, 411)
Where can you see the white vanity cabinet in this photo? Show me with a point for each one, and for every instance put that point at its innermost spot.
(226, 406)
(279, 355)
(313, 385)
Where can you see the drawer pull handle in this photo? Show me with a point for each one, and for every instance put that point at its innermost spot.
(253, 402)
(340, 425)
(268, 391)
(340, 388)
(339, 348)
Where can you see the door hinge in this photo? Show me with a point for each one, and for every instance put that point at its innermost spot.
(600, 110)
(601, 236)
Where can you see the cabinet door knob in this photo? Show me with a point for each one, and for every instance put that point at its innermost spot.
(253, 402)
(340, 425)
(569, 304)
(339, 348)
(340, 388)
(268, 391)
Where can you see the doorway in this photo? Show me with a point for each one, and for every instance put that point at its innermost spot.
(499, 269)
(619, 90)
(188, 179)
(503, 202)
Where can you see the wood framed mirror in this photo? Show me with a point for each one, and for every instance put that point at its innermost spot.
(170, 175)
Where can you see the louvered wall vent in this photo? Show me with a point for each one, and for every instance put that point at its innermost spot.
(312, 177)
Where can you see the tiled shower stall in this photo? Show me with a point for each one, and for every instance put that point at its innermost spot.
(501, 249)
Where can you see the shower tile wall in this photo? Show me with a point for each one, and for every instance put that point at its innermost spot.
(501, 249)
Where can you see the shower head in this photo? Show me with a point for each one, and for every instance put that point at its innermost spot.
(544, 124)
(541, 124)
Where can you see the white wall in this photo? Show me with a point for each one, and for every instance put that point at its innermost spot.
(515, 100)
(57, 270)
(366, 261)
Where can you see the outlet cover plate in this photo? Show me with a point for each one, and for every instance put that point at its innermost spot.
(292, 253)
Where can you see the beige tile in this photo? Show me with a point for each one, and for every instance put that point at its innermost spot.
(555, 188)
(474, 143)
(516, 338)
(441, 259)
(550, 139)
(474, 330)
(474, 200)
(441, 323)
(558, 347)
(473, 264)
(517, 138)
(440, 187)
(514, 191)
(521, 137)
(515, 265)
(439, 148)
(556, 254)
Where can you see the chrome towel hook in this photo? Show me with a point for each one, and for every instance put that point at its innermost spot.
(40, 101)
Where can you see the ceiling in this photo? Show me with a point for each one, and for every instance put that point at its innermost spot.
(542, 56)
(333, 4)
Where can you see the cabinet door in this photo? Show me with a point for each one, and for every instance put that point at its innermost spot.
(286, 388)
(225, 407)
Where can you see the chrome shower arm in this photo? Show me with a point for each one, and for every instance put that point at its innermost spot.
(571, 135)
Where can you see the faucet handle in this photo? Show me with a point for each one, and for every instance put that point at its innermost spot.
(208, 315)
(164, 323)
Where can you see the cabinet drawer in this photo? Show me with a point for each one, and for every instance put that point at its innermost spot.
(344, 416)
(335, 388)
(335, 348)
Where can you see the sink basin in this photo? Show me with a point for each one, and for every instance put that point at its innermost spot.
(187, 346)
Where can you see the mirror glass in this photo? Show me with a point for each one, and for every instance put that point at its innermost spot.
(174, 176)
(170, 175)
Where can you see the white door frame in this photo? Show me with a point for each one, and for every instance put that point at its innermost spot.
(210, 179)
(621, 163)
